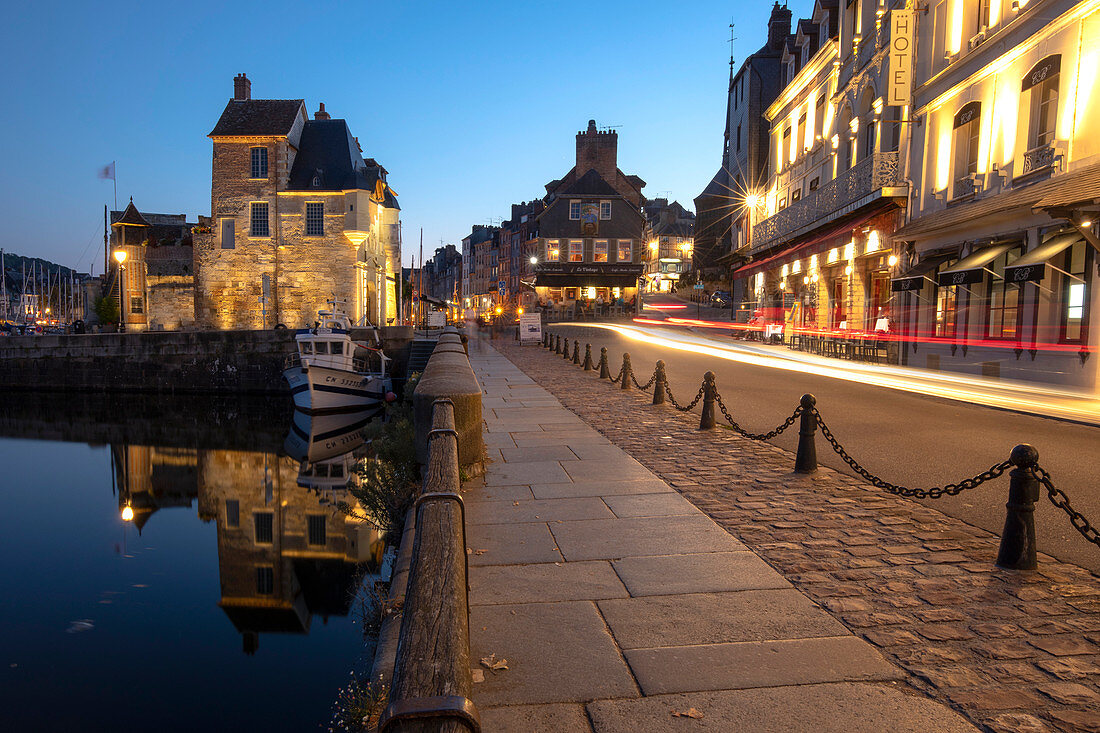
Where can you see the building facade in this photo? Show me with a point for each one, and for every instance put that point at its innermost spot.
(518, 243)
(1000, 249)
(590, 233)
(298, 217)
(669, 244)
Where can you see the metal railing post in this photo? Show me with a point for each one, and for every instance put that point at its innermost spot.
(1017, 551)
(659, 384)
(805, 460)
(706, 419)
(588, 357)
(626, 372)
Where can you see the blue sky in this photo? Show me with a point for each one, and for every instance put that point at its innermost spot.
(470, 106)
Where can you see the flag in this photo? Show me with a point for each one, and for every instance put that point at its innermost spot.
(107, 172)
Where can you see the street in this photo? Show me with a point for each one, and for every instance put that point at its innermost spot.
(915, 440)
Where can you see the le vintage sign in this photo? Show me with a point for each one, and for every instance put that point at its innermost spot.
(899, 89)
(584, 268)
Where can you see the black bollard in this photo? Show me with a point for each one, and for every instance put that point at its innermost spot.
(588, 357)
(545, 339)
(557, 344)
(659, 384)
(1017, 551)
(577, 352)
(565, 349)
(605, 372)
(626, 372)
(805, 460)
(706, 419)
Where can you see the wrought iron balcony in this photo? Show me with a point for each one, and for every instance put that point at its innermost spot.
(964, 188)
(839, 196)
(1038, 159)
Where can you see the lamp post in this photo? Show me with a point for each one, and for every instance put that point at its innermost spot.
(120, 258)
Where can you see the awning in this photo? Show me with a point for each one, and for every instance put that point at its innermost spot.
(917, 275)
(1032, 267)
(775, 260)
(971, 269)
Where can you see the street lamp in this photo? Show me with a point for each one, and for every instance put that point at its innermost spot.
(120, 258)
(534, 260)
(127, 513)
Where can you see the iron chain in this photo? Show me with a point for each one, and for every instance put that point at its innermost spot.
(645, 386)
(1059, 499)
(756, 436)
(620, 376)
(694, 402)
(935, 493)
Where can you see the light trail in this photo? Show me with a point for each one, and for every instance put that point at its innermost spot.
(1021, 397)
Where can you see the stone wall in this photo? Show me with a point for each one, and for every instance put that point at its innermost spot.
(171, 302)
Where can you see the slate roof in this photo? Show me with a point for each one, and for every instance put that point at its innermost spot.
(590, 184)
(328, 159)
(131, 217)
(717, 188)
(257, 117)
(1082, 186)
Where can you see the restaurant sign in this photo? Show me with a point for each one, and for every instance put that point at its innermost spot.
(585, 268)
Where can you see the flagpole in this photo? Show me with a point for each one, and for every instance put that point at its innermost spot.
(114, 180)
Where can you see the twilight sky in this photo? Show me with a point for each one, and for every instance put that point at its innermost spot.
(470, 106)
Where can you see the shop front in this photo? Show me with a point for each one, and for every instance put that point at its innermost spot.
(587, 288)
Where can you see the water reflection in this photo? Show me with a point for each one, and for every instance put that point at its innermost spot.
(288, 560)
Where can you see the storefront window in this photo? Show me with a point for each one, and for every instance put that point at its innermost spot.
(1004, 298)
(947, 305)
(576, 250)
(1075, 292)
(625, 250)
(600, 252)
(879, 299)
(838, 293)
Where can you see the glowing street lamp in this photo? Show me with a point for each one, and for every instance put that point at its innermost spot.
(120, 258)
(534, 260)
(127, 513)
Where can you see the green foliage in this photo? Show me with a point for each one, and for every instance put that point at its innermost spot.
(359, 705)
(390, 475)
(106, 309)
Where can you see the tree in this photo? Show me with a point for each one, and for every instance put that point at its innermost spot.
(106, 309)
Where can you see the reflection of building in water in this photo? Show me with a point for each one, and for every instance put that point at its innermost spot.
(285, 551)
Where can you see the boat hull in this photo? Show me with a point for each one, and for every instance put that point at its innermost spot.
(323, 437)
(318, 390)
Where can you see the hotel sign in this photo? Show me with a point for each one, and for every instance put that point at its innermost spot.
(900, 86)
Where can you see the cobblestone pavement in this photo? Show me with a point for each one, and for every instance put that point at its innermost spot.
(1012, 651)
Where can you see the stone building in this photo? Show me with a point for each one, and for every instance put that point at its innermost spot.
(722, 224)
(518, 244)
(590, 233)
(298, 217)
(478, 249)
(669, 238)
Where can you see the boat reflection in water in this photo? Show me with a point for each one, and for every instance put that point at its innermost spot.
(286, 550)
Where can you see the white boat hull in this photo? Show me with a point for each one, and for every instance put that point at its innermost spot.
(317, 390)
(323, 437)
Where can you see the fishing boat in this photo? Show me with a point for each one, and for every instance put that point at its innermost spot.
(333, 373)
(314, 438)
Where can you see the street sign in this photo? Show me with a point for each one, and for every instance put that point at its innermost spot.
(500, 286)
(699, 286)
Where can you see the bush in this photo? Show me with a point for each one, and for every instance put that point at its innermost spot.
(106, 309)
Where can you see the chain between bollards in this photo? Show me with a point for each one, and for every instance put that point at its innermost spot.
(588, 357)
(605, 372)
(1017, 550)
(660, 384)
(805, 459)
(576, 352)
(626, 372)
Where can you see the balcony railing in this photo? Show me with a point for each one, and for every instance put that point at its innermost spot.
(828, 202)
(1037, 159)
(965, 188)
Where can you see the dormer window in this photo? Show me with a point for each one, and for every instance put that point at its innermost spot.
(824, 29)
(259, 163)
(805, 52)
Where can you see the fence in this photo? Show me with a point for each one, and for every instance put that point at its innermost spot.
(1026, 477)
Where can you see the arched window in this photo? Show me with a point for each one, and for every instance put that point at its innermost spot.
(844, 135)
(867, 124)
(1041, 86)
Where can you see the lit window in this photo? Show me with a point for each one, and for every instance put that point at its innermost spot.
(259, 163)
(605, 210)
(137, 305)
(315, 220)
(1004, 312)
(263, 524)
(259, 227)
(575, 210)
(576, 250)
(625, 250)
(600, 251)
(553, 252)
(1042, 82)
(1074, 294)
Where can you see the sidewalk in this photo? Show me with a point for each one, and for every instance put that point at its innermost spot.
(619, 606)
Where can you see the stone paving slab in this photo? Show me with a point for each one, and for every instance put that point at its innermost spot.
(833, 708)
(650, 505)
(502, 474)
(558, 717)
(598, 488)
(545, 583)
(1010, 650)
(504, 544)
(545, 510)
(609, 539)
(529, 454)
(714, 618)
(758, 664)
(706, 573)
(556, 652)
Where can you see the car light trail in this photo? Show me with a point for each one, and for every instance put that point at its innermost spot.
(1022, 397)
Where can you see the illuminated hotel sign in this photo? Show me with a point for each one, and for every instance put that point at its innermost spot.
(900, 87)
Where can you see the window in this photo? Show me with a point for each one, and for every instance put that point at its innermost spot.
(576, 250)
(800, 131)
(967, 137)
(785, 151)
(265, 580)
(739, 138)
(307, 347)
(939, 41)
(259, 226)
(625, 250)
(982, 23)
(814, 183)
(600, 252)
(262, 522)
(337, 348)
(1075, 301)
(824, 30)
(819, 117)
(838, 293)
(796, 194)
(1044, 108)
(553, 253)
(574, 210)
(232, 513)
(879, 289)
(316, 529)
(605, 210)
(315, 219)
(947, 304)
(321, 347)
(1004, 313)
(805, 53)
(137, 304)
(228, 234)
(259, 163)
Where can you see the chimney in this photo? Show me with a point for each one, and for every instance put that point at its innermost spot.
(598, 150)
(321, 114)
(779, 27)
(242, 87)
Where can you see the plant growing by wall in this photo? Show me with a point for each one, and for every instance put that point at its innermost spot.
(106, 309)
